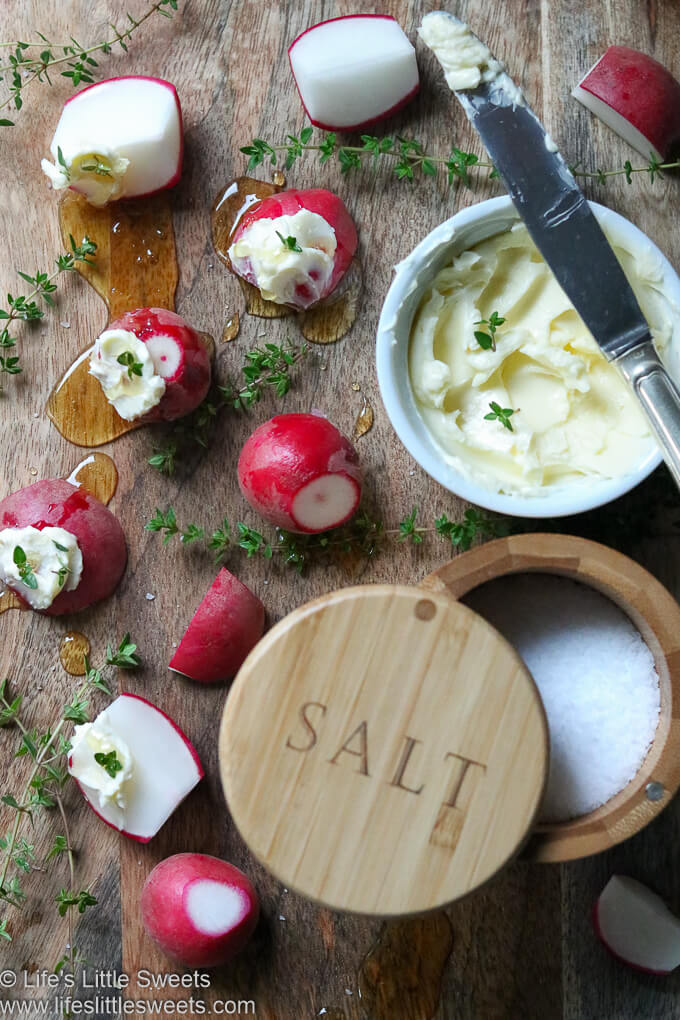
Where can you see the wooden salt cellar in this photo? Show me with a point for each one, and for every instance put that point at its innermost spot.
(383, 750)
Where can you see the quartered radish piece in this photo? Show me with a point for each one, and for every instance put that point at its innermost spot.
(199, 909)
(153, 768)
(300, 473)
(637, 97)
(637, 927)
(354, 70)
(119, 138)
(225, 628)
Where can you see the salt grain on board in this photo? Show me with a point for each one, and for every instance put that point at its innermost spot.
(596, 677)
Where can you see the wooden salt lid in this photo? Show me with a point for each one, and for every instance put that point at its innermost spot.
(383, 750)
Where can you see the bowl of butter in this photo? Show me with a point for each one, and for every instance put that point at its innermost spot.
(494, 384)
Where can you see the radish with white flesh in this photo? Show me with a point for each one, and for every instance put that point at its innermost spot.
(353, 70)
(300, 473)
(134, 766)
(294, 246)
(637, 927)
(637, 97)
(198, 909)
(120, 138)
(151, 365)
(225, 628)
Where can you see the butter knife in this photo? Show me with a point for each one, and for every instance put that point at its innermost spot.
(573, 244)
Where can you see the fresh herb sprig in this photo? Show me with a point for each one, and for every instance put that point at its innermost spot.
(487, 340)
(110, 762)
(30, 62)
(43, 790)
(265, 369)
(24, 568)
(362, 535)
(25, 307)
(128, 360)
(290, 243)
(409, 160)
(501, 414)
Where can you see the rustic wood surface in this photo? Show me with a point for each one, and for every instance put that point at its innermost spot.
(524, 946)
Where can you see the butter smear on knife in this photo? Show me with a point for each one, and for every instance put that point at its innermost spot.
(466, 61)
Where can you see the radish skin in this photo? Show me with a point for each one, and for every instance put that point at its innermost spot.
(225, 628)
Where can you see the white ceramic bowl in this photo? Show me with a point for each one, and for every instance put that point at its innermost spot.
(412, 277)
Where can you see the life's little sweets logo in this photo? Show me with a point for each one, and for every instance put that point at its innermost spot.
(356, 750)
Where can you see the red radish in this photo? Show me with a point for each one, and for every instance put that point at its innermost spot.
(119, 138)
(161, 766)
(178, 355)
(302, 273)
(225, 628)
(198, 909)
(300, 473)
(353, 70)
(54, 503)
(637, 927)
(635, 96)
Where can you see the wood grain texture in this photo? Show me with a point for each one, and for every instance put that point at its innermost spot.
(400, 735)
(523, 947)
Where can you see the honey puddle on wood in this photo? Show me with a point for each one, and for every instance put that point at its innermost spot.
(327, 321)
(135, 266)
(72, 651)
(364, 422)
(8, 600)
(98, 475)
(231, 328)
(402, 974)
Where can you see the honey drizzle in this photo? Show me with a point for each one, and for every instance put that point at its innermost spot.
(135, 266)
(8, 600)
(97, 474)
(326, 322)
(72, 651)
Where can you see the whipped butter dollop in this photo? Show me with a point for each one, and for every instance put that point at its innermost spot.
(40, 563)
(465, 60)
(106, 790)
(132, 391)
(282, 274)
(575, 418)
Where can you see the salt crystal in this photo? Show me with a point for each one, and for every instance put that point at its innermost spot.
(149, 597)
(66, 325)
(596, 677)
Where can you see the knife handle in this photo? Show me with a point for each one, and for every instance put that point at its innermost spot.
(659, 397)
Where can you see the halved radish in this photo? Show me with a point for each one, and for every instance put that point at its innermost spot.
(300, 473)
(55, 503)
(637, 927)
(225, 628)
(119, 138)
(295, 246)
(157, 766)
(353, 70)
(635, 96)
(199, 909)
(177, 357)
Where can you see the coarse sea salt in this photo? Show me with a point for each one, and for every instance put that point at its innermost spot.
(596, 677)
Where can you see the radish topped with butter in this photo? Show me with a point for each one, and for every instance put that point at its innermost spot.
(151, 364)
(295, 246)
(120, 138)
(134, 766)
(353, 70)
(60, 548)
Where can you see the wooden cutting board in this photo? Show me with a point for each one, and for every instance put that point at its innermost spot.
(523, 947)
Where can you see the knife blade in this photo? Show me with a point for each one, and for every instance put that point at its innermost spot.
(566, 232)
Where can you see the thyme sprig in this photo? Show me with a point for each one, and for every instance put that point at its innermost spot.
(362, 535)
(265, 369)
(501, 414)
(25, 307)
(409, 158)
(30, 62)
(487, 339)
(43, 790)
